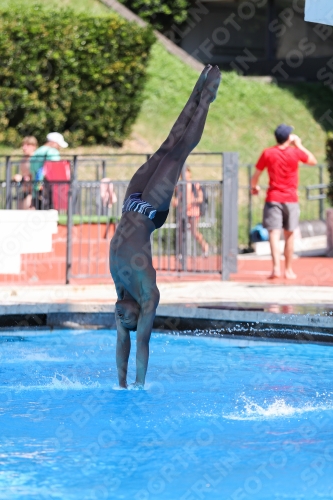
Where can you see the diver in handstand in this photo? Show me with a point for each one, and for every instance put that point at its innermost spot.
(145, 209)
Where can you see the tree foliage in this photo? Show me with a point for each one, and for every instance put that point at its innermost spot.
(77, 74)
(160, 14)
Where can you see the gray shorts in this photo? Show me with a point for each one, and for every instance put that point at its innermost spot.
(281, 215)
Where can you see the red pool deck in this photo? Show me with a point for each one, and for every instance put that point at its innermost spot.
(310, 271)
(91, 256)
(314, 271)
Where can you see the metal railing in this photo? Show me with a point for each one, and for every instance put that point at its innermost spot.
(93, 168)
(120, 166)
(188, 242)
(196, 238)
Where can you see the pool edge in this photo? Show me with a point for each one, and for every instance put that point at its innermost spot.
(183, 319)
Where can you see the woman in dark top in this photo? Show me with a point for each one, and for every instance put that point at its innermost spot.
(145, 209)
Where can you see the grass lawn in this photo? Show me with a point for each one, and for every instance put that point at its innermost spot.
(86, 219)
(241, 119)
(244, 115)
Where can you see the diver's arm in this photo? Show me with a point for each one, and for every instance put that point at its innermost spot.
(123, 351)
(144, 328)
(119, 289)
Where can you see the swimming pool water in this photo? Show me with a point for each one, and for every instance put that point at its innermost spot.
(219, 419)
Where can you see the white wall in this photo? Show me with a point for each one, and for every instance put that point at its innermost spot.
(24, 232)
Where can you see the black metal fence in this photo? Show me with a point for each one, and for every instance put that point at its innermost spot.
(117, 166)
(196, 238)
(87, 171)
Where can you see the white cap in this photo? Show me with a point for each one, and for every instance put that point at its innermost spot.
(58, 138)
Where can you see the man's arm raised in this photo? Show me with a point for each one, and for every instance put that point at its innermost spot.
(312, 160)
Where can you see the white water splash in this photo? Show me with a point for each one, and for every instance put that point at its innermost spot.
(131, 387)
(58, 382)
(38, 356)
(116, 387)
(279, 408)
(63, 382)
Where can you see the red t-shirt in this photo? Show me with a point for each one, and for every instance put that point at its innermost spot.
(282, 165)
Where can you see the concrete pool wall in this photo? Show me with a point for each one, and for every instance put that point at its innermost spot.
(183, 319)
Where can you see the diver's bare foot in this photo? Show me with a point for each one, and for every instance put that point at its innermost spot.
(192, 102)
(123, 385)
(202, 78)
(212, 84)
(289, 274)
(198, 87)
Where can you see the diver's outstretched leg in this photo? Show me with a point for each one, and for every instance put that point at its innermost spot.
(184, 118)
(160, 187)
(139, 179)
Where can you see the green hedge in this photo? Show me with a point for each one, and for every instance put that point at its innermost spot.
(160, 14)
(329, 156)
(77, 74)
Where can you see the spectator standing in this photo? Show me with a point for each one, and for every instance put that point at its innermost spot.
(107, 195)
(195, 200)
(48, 152)
(23, 178)
(281, 208)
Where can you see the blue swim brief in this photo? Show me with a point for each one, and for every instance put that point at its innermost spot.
(134, 203)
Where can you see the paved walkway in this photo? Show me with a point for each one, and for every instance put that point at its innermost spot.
(49, 269)
(228, 295)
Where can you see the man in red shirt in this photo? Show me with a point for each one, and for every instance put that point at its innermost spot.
(281, 208)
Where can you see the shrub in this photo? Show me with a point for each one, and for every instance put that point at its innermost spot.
(329, 156)
(160, 14)
(77, 74)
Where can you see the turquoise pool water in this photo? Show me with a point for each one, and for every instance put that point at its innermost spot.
(219, 419)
